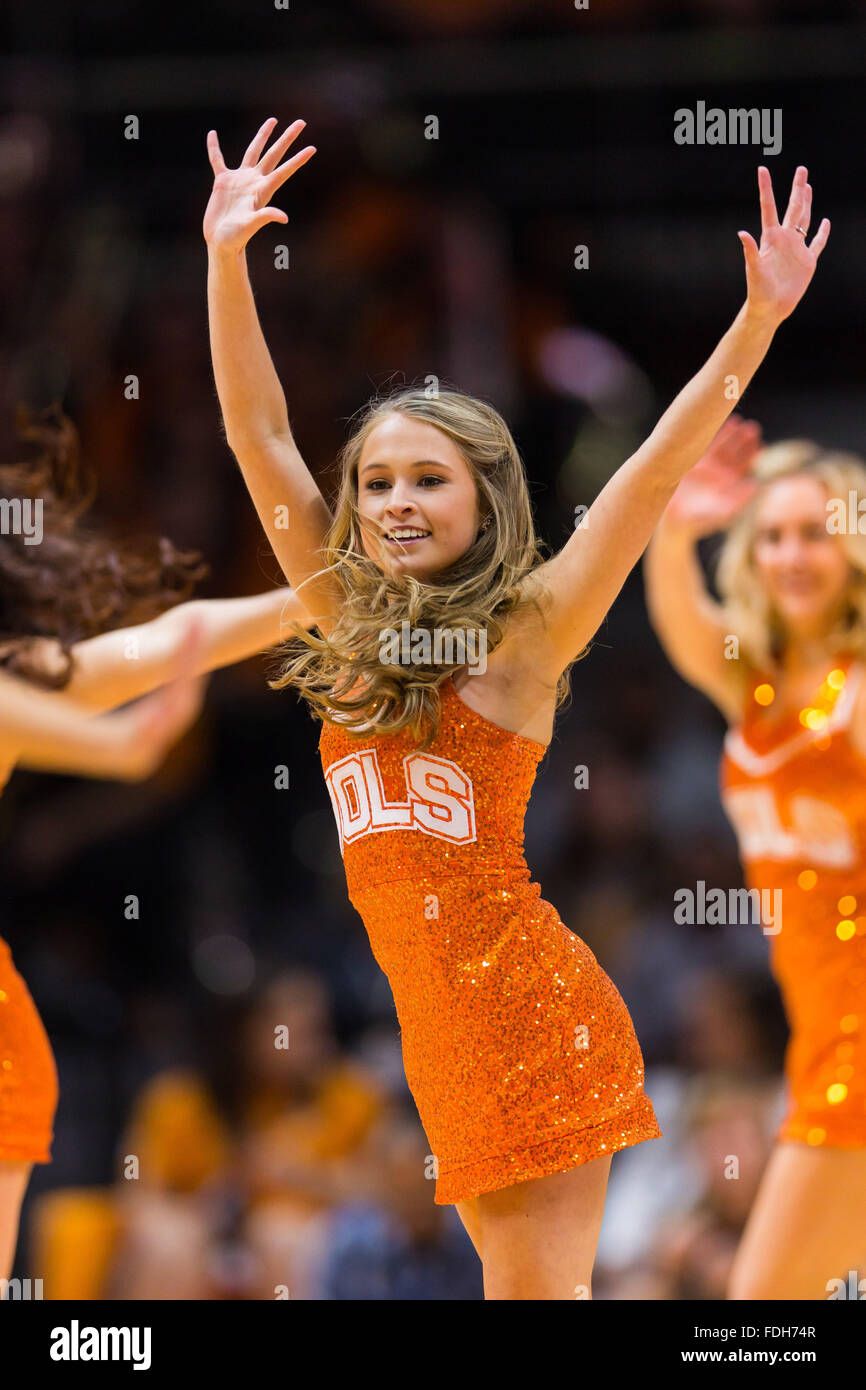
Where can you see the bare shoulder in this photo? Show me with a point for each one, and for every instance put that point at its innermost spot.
(526, 654)
(511, 686)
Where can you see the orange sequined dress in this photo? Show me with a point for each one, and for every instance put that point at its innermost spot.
(28, 1076)
(519, 1052)
(795, 791)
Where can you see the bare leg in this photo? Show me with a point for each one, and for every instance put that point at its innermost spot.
(14, 1178)
(540, 1237)
(807, 1225)
(471, 1218)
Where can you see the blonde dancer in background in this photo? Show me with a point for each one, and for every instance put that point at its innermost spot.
(793, 596)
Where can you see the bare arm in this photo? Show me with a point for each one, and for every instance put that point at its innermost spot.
(290, 506)
(583, 579)
(48, 733)
(689, 623)
(119, 666)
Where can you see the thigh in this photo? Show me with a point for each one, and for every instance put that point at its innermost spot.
(14, 1178)
(807, 1226)
(539, 1237)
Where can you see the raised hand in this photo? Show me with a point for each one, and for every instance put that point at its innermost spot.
(239, 203)
(719, 485)
(778, 272)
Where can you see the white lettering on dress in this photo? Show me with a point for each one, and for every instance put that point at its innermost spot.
(440, 799)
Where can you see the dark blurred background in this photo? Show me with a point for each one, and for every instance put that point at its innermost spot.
(409, 257)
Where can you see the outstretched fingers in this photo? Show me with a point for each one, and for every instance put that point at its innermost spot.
(286, 170)
(214, 153)
(769, 215)
(805, 210)
(272, 157)
(750, 250)
(743, 446)
(258, 142)
(819, 240)
(799, 201)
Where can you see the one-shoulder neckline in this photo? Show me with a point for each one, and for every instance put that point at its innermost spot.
(500, 729)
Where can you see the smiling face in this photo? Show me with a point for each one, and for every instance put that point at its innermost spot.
(413, 478)
(803, 567)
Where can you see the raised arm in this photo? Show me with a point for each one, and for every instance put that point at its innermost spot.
(48, 733)
(119, 666)
(290, 506)
(689, 623)
(582, 580)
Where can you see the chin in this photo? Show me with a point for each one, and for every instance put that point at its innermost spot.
(811, 615)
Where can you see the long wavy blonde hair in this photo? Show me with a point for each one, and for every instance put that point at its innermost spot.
(343, 674)
(749, 612)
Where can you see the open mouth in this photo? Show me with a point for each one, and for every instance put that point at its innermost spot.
(411, 536)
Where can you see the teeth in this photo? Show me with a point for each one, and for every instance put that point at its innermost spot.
(406, 535)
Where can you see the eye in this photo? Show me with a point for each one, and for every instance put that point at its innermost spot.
(432, 478)
(371, 486)
(814, 531)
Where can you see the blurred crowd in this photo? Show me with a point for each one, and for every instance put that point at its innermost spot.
(234, 1122)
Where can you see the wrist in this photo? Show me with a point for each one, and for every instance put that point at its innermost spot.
(760, 318)
(223, 257)
(673, 530)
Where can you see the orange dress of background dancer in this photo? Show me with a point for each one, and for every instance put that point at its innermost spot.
(519, 1051)
(795, 791)
(28, 1076)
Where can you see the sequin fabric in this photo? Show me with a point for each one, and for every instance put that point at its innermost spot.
(518, 1050)
(28, 1076)
(795, 790)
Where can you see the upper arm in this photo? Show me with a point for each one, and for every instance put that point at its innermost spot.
(701, 648)
(295, 517)
(692, 627)
(579, 584)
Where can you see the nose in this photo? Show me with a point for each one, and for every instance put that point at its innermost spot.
(791, 551)
(399, 503)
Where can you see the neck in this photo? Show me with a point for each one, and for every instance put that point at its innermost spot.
(804, 653)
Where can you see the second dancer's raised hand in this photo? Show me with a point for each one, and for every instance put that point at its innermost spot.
(239, 203)
(779, 270)
(712, 493)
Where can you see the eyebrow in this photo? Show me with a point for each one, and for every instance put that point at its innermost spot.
(419, 463)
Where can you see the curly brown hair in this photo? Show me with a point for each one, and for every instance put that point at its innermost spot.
(74, 583)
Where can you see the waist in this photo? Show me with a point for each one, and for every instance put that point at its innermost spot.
(360, 882)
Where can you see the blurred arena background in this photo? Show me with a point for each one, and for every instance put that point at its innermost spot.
(409, 257)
